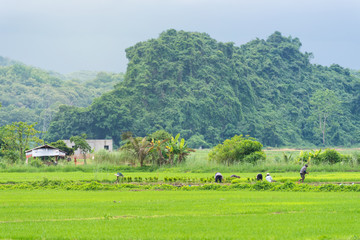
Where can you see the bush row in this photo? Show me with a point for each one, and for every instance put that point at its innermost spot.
(259, 186)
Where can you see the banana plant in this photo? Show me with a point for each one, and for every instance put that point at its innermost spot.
(178, 148)
(158, 148)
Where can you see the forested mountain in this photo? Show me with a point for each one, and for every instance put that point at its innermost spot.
(33, 95)
(188, 83)
(7, 62)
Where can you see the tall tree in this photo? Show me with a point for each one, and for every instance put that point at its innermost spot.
(324, 104)
(18, 136)
(80, 143)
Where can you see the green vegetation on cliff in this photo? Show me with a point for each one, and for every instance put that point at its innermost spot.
(209, 91)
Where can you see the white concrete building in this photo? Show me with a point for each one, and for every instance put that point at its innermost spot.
(95, 144)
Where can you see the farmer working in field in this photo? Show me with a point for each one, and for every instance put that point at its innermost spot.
(269, 178)
(218, 177)
(303, 172)
(259, 177)
(118, 175)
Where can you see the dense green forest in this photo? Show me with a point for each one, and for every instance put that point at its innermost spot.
(208, 91)
(32, 95)
(188, 83)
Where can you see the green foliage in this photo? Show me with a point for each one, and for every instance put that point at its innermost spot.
(328, 156)
(324, 104)
(7, 62)
(60, 144)
(114, 158)
(306, 157)
(16, 139)
(35, 162)
(198, 141)
(139, 146)
(128, 183)
(80, 143)
(177, 149)
(2, 140)
(287, 157)
(237, 149)
(161, 149)
(254, 157)
(268, 90)
(30, 94)
(159, 135)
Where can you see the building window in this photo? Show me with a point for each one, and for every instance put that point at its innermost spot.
(106, 147)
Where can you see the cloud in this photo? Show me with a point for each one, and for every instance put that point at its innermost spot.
(72, 35)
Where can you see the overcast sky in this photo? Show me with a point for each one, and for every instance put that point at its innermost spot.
(74, 35)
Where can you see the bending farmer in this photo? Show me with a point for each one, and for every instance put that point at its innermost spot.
(303, 172)
(218, 177)
(118, 175)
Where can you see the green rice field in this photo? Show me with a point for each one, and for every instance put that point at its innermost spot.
(180, 202)
(56, 214)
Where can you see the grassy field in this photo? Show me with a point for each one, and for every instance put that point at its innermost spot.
(178, 215)
(198, 214)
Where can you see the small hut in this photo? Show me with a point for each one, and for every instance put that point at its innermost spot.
(44, 151)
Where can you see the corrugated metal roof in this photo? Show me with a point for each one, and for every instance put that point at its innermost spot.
(44, 146)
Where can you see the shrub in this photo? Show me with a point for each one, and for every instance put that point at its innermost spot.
(237, 149)
(36, 162)
(254, 157)
(330, 156)
(306, 157)
(261, 185)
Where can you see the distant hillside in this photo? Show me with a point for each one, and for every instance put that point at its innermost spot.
(33, 95)
(80, 76)
(188, 83)
(7, 62)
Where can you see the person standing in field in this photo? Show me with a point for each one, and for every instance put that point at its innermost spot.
(259, 177)
(218, 177)
(302, 173)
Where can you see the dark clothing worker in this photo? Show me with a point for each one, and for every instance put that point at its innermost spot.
(218, 177)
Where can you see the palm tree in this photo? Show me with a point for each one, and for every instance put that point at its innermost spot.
(139, 146)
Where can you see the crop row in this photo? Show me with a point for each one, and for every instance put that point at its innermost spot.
(258, 186)
(172, 180)
(176, 178)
